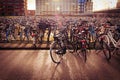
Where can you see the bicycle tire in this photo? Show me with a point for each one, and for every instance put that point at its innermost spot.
(56, 58)
(97, 44)
(84, 52)
(106, 51)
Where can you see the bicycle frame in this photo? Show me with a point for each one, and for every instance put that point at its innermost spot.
(110, 38)
(83, 43)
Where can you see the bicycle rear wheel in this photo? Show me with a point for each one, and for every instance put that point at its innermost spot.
(106, 51)
(56, 58)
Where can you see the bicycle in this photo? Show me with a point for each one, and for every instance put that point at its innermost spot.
(59, 46)
(114, 44)
(82, 44)
(103, 41)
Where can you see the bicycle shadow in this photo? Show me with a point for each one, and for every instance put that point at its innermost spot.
(60, 71)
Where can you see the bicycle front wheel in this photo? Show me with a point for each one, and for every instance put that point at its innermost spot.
(54, 47)
(106, 51)
(84, 54)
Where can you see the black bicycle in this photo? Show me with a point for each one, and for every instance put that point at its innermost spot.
(60, 45)
(82, 44)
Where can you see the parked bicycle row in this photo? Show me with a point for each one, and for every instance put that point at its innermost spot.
(106, 38)
(36, 28)
(105, 43)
